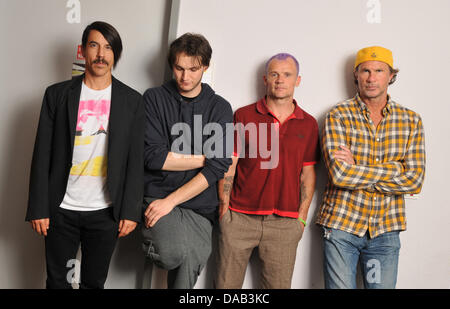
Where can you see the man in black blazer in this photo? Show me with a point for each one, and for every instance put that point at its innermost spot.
(86, 183)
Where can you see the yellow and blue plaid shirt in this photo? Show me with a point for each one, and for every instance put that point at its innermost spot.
(389, 162)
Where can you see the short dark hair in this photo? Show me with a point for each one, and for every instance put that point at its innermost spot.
(109, 33)
(393, 71)
(192, 44)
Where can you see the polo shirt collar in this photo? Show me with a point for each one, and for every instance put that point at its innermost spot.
(261, 107)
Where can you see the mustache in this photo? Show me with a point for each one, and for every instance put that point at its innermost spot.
(101, 61)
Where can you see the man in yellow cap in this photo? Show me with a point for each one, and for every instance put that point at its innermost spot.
(375, 153)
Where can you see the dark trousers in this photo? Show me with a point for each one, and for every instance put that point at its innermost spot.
(96, 231)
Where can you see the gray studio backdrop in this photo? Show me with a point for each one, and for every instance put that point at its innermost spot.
(39, 45)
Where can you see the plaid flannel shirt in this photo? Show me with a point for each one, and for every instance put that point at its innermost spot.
(389, 162)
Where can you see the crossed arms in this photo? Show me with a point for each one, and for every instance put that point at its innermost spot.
(392, 177)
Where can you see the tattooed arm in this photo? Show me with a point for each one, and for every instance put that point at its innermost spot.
(224, 188)
(307, 187)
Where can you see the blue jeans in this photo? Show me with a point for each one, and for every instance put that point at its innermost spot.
(378, 258)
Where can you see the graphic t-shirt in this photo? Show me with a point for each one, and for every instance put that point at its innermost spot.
(86, 187)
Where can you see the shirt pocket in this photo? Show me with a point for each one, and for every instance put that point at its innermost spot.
(359, 144)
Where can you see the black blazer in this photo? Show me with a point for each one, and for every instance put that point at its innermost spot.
(53, 149)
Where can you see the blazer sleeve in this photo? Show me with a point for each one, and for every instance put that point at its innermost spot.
(134, 179)
(38, 198)
(156, 141)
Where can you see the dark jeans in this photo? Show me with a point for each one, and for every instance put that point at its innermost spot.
(96, 231)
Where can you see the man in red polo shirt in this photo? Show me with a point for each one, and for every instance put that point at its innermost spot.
(276, 148)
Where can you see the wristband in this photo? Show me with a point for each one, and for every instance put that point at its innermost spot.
(302, 221)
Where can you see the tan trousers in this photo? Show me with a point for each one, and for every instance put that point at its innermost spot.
(276, 239)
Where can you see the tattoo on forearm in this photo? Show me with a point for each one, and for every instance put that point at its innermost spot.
(228, 184)
(303, 193)
(224, 193)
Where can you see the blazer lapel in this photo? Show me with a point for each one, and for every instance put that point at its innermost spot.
(73, 101)
(117, 107)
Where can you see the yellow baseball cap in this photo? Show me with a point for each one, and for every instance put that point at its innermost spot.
(374, 53)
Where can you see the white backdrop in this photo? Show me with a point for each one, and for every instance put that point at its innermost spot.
(39, 45)
(38, 48)
(325, 35)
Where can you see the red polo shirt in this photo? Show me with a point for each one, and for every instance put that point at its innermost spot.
(263, 188)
